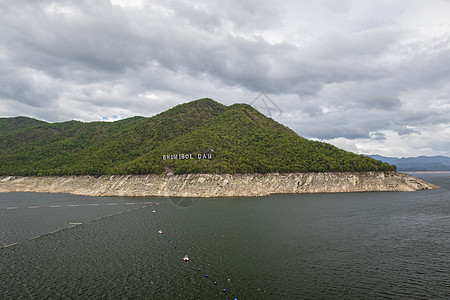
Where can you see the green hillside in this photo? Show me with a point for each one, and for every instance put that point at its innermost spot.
(229, 139)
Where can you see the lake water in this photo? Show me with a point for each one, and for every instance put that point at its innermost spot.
(392, 245)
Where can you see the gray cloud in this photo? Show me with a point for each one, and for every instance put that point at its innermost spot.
(364, 72)
(378, 136)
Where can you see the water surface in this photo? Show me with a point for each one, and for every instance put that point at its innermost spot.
(355, 245)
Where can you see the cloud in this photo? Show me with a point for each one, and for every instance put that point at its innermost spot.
(365, 72)
(378, 136)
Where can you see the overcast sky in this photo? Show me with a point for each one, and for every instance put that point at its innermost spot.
(372, 77)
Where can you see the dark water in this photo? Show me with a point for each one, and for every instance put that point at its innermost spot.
(392, 245)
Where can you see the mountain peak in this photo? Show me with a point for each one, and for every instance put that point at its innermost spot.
(203, 103)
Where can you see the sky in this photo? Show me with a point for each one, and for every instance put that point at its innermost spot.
(371, 77)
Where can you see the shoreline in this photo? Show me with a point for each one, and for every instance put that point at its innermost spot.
(215, 185)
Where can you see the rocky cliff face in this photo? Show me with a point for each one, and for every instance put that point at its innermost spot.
(213, 185)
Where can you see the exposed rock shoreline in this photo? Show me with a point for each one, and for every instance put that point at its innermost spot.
(215, 185)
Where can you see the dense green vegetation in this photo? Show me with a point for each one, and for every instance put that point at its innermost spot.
(239, 138)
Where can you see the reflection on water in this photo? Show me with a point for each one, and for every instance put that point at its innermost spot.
(357, 245)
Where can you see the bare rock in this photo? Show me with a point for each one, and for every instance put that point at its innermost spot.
(215, 185)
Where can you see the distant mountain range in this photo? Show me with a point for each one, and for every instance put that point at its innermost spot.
(419, 163)
(201, 136)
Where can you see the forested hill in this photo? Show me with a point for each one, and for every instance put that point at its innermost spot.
(201, 136)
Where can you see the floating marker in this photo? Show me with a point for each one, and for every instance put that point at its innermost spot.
(186, 258)
(11, 245)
